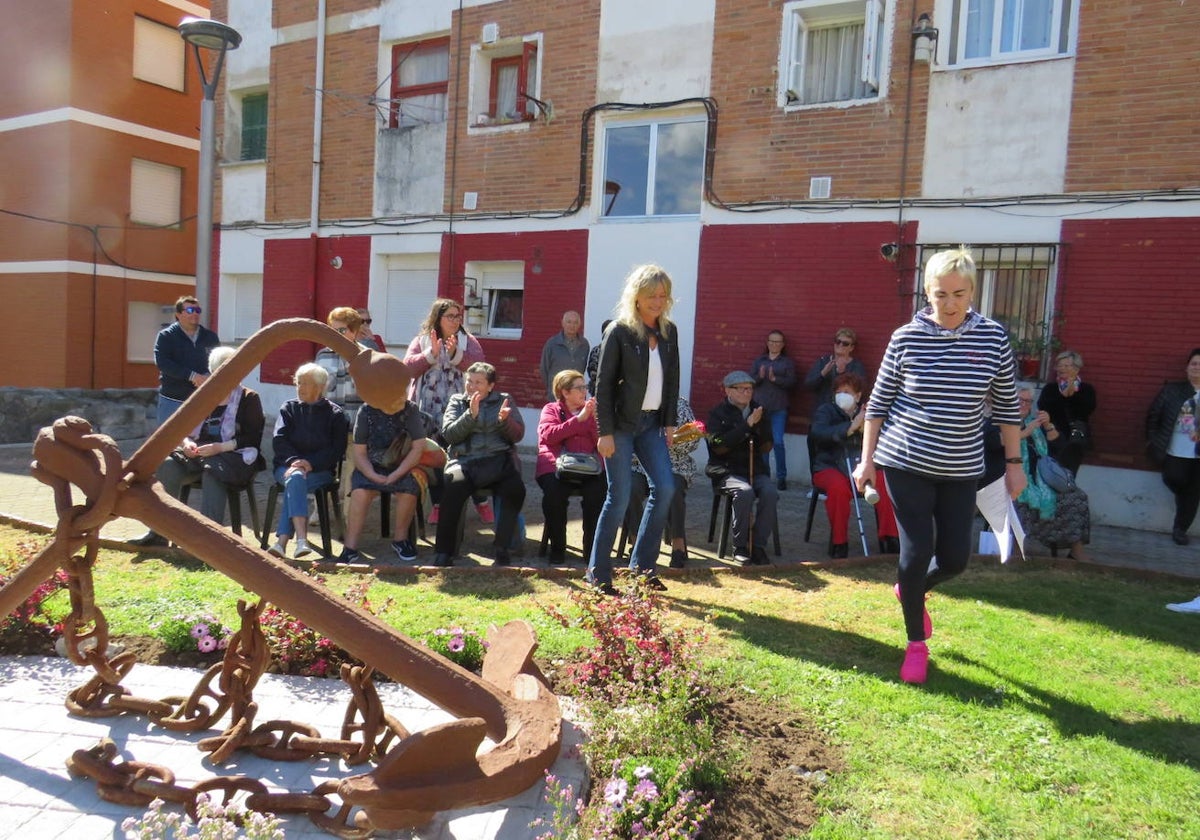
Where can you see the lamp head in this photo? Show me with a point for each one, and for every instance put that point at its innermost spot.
(209, 34)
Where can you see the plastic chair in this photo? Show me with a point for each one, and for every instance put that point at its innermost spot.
(720, 494)
(326, 498)
(815, 493)
(233, 496)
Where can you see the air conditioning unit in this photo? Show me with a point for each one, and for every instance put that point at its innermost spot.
(491, 32)
(820, 187)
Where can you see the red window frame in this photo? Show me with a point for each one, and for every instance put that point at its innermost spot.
(398, 92)
(522, 62)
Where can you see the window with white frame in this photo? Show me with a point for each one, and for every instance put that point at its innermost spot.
(142, 322)
(506, 81)
(412, 282)
(501, 290)
(832, 51)
(991, 31)
(155, 193)
(158, 54)
(420, 78)
(242, 296)
(654, 168)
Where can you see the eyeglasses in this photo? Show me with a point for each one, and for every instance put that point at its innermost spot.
(457, 316)
(343, 330)
(740, 387)
(774, 341)
(192, 310)
(579, 387)
(841, 342)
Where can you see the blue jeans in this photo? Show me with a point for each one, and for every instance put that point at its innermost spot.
(296, 488)
(651, 447)
(167, 407)
(778, 422)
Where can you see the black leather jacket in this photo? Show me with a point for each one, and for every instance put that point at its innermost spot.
(621, 378)
(1160, 420)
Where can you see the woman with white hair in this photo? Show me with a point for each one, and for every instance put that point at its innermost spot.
(223, 451)
(925, 428)
(637, 398)
(309, 442)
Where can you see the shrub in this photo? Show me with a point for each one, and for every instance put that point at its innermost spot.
(463, 647)
(32, 617)
(186, 632)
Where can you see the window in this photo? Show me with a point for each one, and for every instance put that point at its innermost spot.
(158, 54)
(832, 51)
(1005, 30)
(502, 293)
(1013, 285)
(412, 282)
(143, 321)
(420, 77)
(506, 82)
(254, 127)
(155, 193)
(241, 304)
(654, 169)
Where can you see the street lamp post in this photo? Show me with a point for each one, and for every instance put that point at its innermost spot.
(219, 38)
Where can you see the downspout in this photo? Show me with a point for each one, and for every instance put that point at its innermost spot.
(452, 127)
(314, 215)
(901, 252)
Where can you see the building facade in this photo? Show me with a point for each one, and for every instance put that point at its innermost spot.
(792, 163)
(99, 138)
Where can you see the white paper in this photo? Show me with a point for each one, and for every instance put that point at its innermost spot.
(1001, 514)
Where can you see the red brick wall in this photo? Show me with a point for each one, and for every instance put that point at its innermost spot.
(559, 286)
(1133, 117)
(1128, 299)
(806, 280)
(764, 153)
(537, 169)
(290, 290)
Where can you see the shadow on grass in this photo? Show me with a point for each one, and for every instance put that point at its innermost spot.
(1176, 741)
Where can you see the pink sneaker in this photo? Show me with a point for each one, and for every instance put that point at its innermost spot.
(928, 620)
(916, 663)
(433, 515)
(486, 515)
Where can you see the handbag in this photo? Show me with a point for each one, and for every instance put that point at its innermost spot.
(230, 468)
(577, 465)
(1081, 434)
(1054, 475)
(488, 470)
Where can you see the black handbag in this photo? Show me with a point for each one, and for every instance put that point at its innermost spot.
(488, 470)
(1081, 434)
(577, 465)
(229, 468)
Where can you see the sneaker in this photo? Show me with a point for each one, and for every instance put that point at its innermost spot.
(916, 663)
(149, 540)
(758, 556)
(303, 549)
(928, 622)
(605, 589)
(678, 558)
(433, 515)
(405, 550)
(1192, 606)
(654, 582)
(486, 515)
(350, 555)
(277, 549)
(443, 560)
(741, 556)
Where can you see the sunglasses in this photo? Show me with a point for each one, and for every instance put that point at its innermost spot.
(193, 310)
(841, 342)
(367, 321)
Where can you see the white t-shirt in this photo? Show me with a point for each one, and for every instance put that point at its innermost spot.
(1183, 441)
(654, 383)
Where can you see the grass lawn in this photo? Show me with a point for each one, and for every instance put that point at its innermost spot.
(1059, 703)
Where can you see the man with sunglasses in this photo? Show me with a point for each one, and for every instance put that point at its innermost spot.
(181, 354)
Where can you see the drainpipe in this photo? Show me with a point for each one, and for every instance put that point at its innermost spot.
(314, 216)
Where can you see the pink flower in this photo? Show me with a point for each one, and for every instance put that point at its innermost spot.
(615, 790)
(456, 644)
(199, 630)
(206, 644)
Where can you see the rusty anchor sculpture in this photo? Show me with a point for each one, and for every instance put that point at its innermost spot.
(437, 769)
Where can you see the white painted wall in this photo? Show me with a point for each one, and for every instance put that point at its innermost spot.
(974, 144)
(654, 51)
(250, 64)
(614, 249)
(402, 19)
(243, 192)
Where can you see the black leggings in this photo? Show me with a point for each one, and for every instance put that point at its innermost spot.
(1182, 477)
(934, 516)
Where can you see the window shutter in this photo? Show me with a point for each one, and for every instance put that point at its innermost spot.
(870, 48)
(526, 75)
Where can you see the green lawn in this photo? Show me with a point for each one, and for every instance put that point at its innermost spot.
(1059, 704)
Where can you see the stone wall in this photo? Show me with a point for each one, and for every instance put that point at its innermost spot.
(120, 413)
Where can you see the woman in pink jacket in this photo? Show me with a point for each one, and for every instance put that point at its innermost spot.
(569, 425)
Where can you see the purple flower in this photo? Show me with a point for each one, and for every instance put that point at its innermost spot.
(615, 790)
(456, 644)
(206, 644)
(199, 630)
(642, 771)
(646, 789)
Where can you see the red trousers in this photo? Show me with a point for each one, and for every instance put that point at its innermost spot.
(839, 504)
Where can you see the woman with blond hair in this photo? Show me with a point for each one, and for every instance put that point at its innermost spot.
(925, 428)
(637, 396)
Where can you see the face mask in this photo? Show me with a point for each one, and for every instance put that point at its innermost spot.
(845, 401)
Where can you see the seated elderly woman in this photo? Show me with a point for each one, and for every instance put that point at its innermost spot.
(481, 427)
(837, 435)
(569, 425)
(1054, 518)
(222, 452)
(309, 441)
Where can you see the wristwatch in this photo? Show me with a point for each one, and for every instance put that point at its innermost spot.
(1016, 460)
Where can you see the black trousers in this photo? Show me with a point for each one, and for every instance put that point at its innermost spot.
(1182, 477)
(456, 488)
(556, 494)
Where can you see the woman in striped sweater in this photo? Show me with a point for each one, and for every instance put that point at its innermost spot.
(925, 428)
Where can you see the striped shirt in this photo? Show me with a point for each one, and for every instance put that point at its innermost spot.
(930, 394)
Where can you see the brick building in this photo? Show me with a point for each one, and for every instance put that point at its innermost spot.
(792, 163)
(99, 133)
